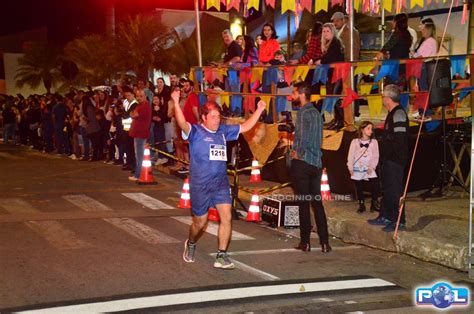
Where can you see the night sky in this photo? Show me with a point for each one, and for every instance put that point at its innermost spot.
(68, 19)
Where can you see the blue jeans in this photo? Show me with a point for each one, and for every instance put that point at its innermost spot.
(9, 130)
(139, 144)
(86, 142)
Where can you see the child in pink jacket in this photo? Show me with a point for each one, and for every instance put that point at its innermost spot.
(362, 161)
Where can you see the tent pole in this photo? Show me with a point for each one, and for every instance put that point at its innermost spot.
(198, 32)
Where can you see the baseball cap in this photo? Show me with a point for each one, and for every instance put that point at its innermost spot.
(337, 16)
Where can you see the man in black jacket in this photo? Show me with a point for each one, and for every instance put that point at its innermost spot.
(394, 156)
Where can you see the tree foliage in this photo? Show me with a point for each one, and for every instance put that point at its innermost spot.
(40, 64)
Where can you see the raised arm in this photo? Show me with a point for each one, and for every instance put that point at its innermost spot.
(250, 122)
(178, 113)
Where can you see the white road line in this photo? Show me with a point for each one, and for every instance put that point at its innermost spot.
(11, 156)
(334, 248)
(147, 201)
(130, 226)
(54, 232)
(216, 295)
(212, 228)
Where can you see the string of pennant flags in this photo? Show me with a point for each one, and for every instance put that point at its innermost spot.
(315, 6)
(256, 76)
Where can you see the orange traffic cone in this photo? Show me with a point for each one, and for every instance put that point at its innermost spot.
(213, 214)
(255, 174)
(325, 190)
(253, 213)
(185, 201)
(146, 174)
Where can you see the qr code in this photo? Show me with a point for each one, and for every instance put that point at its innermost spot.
(292, 217)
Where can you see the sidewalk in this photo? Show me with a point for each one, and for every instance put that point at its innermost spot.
(437, 229)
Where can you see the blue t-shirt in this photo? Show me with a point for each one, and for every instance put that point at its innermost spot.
(208, 154)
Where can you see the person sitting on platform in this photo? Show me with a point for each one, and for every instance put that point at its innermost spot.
(362, 160)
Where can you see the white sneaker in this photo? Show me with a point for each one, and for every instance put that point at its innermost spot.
(133, 179)
(357, 119)
(73, 157)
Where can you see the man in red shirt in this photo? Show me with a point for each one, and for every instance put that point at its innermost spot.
(191, 105)
(140, 130)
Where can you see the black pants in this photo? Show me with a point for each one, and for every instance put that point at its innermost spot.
(95, 139)
(392, 186)
(159, 135)
(306, 180)
(130, 151)
(374, 188)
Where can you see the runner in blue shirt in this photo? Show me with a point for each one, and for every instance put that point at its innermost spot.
(209, 186)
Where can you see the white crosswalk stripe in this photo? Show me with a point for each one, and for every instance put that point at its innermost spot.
(130, 226)
(54, 232)
(147, 201)
(212, 228)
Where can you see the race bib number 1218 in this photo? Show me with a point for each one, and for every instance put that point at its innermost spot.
(217, 152)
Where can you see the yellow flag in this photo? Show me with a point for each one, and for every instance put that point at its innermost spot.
(288, 5)
(321, 5)
(266, 99)
(413, 3)
(356, 5)
(322, 91)
(300, 71)
(363, 69)
(191, 75)
(315, 98)
(222, 71)
(225, 99)
(213, 3)
(256, 74)
(254, 4)
(375, 105)
(387, 5)
(364, 89)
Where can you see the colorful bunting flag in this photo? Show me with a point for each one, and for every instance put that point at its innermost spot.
(350, 97)
(458, 65)
(232, 78)
(202, 99)
(288, 5)
(209, 75)
(256, 74)
(225, 99)
(414, 3)
(198, 75)
(266, 99)
(236, 104)
(336, 2)
(300, 72)
(364, 89)
(421, 101)
(249, 103)
(341, 70)
(191, 75)
(432, 125)
(321, 5)
(375, 105)
(413, 68)
(280, 103)
(306, 4)
(254, 4)
(363, 69)
(329, 103)
(321, 74)
(404, 99)
(270, 3)
(213, 3)
(389, 68)
(288, 71)
(245, 75)
(357, 5)
(233, 4)
(271, 76)
(315, 98)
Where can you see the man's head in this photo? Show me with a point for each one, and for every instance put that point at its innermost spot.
(297, 47)
(391, 96)
(173, 80)
(211, 115)
(338, 19)
(301, 94)
(141, 96)
(279, 56)
(128, 93)
(141, 84)
(188, 86)
(227, 37)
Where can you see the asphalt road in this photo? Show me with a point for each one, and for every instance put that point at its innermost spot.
(79, 237)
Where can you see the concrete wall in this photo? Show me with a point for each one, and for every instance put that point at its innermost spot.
(11, 64)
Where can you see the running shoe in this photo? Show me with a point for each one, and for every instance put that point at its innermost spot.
(223, 261)
(189, 250)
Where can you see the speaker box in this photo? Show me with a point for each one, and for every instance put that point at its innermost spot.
(441, 92)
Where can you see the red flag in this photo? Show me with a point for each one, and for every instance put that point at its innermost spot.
(289, 74)
(350, 97)
(336, 2)
(340, 72)
(233, 4)
(413, 68)
(306, 4)
(245, 75)
(421, 100)
(208, 75)
(270, 3)
(249, 104)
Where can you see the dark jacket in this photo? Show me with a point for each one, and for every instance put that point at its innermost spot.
(396, 137)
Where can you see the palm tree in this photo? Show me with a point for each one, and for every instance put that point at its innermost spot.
(140, 43)
(40, 63)
(95, 57)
